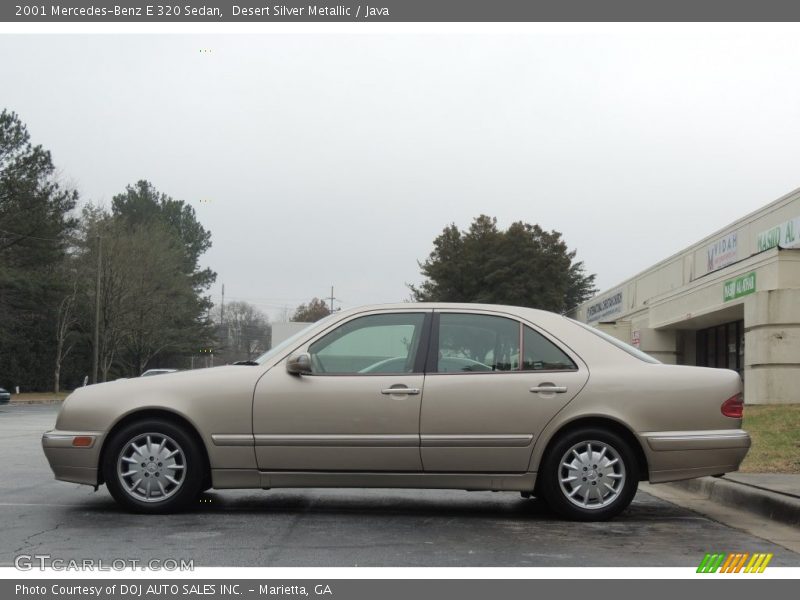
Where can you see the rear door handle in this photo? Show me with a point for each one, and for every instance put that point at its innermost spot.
(400, 390)
(549, 389)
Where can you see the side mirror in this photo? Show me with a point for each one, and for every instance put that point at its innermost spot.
(299, 364)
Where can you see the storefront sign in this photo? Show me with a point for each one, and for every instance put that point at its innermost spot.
(785, 235)
(738, 287)
(605, 307)
(722, 252)
(635, 338)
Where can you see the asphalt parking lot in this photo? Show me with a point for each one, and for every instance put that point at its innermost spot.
(318, 527)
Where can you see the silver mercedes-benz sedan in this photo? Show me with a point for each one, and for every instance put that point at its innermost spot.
(465, 396)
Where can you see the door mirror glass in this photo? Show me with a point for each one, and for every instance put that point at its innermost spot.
(299, 364)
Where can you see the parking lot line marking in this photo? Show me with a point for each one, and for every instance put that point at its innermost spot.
(34, 504)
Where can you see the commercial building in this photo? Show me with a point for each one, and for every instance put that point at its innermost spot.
(732, 301)
(284, 330)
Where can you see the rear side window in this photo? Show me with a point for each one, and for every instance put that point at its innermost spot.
(540, 354)
(471, 343)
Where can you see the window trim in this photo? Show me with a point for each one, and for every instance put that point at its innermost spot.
(431, 364)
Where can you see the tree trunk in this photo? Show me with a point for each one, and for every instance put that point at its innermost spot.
(57, 371)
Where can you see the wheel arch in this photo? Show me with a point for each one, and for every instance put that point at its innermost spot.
(154, 413)
(601, 422)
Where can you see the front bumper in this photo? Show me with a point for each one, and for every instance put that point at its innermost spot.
(70, 463)
(675, 455)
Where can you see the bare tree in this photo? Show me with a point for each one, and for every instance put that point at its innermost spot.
(245, 334)
(156, 299)
(315, 310)
(66, 338)
(149, 304)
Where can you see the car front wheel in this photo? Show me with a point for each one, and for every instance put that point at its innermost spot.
(589, 474)
(153, 467)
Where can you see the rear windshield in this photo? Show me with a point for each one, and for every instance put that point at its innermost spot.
(619, 344)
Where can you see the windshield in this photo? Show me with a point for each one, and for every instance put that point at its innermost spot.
(635, 352)
(290, 340)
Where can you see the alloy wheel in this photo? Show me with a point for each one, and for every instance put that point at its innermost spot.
(151, 467)
(591, 474)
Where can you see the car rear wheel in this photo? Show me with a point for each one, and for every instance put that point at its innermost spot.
(153, 467)
(589, 474)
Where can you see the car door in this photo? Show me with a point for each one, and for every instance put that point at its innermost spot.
(358, 410)
(492, 384)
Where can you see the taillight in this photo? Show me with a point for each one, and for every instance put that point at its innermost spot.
(733, 407)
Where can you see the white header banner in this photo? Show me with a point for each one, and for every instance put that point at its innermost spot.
(605, 307)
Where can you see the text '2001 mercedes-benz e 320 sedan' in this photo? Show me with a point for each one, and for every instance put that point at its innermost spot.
(474, 397)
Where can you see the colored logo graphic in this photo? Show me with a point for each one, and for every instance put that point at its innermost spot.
(735, 562)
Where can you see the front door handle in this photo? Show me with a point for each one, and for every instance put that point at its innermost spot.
(400, 390)
(549, 389)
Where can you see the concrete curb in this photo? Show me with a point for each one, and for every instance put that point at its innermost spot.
(773, 505)
(37, 401)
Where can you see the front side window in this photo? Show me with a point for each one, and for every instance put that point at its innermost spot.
(540, 354)
(477, 343)
(375, 344)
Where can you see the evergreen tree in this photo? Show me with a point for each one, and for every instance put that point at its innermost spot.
(523, 265)
(36, 223)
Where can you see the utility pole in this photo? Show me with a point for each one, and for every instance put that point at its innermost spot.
(96, 349)
(222, 307)
(332, 299)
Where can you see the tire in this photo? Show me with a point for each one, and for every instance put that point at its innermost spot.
(154, 466)
(600, 481)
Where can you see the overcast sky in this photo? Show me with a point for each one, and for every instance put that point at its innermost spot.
(337, 159)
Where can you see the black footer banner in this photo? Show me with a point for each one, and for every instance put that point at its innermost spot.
(704, 587)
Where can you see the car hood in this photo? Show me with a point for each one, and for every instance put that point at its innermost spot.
(180, 383)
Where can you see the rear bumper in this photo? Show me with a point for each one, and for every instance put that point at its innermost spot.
(76, 465)
(675, 455)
